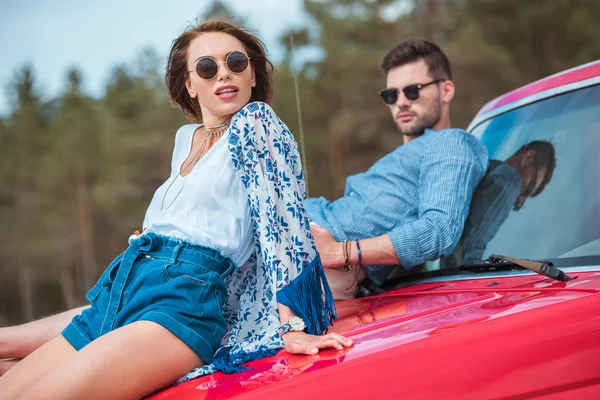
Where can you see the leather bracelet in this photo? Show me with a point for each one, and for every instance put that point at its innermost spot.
(347, 255)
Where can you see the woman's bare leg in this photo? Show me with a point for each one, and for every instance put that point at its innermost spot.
(35, 366)
(127, 363)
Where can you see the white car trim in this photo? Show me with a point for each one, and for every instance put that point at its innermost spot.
(479, 119)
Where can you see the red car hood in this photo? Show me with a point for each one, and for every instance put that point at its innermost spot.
(504, 337)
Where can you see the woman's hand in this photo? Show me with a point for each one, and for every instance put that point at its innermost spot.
(303, 343)
(331, 251)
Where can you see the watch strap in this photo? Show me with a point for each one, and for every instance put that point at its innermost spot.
(285, 328)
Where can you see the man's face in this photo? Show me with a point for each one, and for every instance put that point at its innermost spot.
(413, 117)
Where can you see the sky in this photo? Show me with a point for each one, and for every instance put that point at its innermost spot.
(97, 35)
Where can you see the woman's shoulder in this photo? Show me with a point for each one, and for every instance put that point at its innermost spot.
(186, 130)
(184, 134)
(256, 125)
(258, 110)
(257, 120)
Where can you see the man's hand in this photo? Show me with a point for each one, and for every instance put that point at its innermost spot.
(303, 343)
(331, 251)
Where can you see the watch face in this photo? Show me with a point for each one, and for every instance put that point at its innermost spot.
(297, 323)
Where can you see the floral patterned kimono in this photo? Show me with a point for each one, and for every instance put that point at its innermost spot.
(285, 266)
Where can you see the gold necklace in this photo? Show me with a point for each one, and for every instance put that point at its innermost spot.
(216, 130)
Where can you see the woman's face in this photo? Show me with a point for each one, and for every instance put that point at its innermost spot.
(227, 92)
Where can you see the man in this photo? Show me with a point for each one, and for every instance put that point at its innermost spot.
(505, 187)
(411, 205)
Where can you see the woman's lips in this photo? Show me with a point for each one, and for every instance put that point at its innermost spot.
(227, 95)
(227, 92)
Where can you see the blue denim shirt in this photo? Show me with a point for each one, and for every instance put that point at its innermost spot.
(492, 202)
(419, 194)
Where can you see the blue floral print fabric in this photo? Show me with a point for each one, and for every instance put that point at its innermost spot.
(285, 266)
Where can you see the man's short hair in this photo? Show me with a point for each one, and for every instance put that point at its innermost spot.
(415, 49)
(545, 155)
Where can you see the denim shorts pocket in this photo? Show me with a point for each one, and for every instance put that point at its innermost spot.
(186, 271)
(93, 293)
(106, 279)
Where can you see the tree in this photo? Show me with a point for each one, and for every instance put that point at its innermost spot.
(347, 126)
(70, 168)
(498, 45)
(24, 140)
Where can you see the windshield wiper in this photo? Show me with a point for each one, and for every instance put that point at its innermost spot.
(493, 263)
(497, 261)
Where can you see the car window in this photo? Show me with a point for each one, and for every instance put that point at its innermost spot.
(540, 197)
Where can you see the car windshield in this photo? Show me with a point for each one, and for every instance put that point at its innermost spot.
(540, 198)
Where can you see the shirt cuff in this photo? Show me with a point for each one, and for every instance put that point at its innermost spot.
(422, 241)
(407, 246)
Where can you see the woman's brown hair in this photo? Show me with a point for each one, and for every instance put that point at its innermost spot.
(177, 70)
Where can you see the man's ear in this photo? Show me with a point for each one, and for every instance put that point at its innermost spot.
(446, 91)
(527, 158)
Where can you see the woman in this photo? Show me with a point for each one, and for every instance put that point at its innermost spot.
(228, 224)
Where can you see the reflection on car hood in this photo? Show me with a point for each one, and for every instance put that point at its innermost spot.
(472, 338)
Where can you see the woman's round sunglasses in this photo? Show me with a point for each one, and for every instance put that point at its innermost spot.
(236, 61)
(390, 96)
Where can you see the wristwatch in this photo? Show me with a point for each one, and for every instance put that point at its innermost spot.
(294, 324)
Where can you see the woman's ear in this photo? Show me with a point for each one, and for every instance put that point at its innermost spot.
(253, 80)
(190, 88)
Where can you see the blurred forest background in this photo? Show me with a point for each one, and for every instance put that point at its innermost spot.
(77, 173)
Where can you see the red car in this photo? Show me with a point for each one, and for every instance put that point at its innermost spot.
(478, 329)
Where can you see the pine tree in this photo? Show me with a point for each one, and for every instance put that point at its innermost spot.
(24, 140)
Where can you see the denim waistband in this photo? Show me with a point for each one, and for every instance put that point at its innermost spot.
(174, 249)
(158, 246)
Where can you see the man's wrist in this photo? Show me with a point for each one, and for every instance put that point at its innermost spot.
(354, 253)
(339, 254)
(378, 251)
(351, 254)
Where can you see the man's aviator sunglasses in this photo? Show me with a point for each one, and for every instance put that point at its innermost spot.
(236, 61)
(390, 96)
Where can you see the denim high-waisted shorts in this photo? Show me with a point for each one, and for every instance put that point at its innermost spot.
(165, 280)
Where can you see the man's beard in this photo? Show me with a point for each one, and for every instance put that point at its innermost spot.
(427, 121)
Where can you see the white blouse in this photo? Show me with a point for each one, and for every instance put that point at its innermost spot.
(209, 206)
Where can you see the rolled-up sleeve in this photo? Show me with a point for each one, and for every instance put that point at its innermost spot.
(449, 173)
